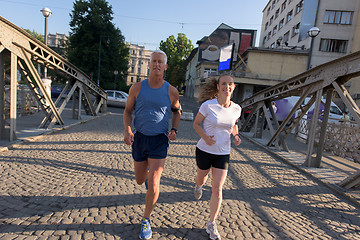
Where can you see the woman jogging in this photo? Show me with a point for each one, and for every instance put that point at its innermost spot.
(215, 122)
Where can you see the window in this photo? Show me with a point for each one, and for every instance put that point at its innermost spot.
(272, 45)
(273, 4)
(132, 79)
(338, 17)
(269, 35)
(289, 16)
(266, 25)
(299, 6)
(209, 72)
(277, 13)
(268, 11)
(281, 24)
(271, 20)
(264, 40)
(133, 69)
(333, 45)
(335, 110)
(286, 36)
(283, 6)
(119, 95)
(296, 29)
(274, 30)
(140, 52)
(139, 70)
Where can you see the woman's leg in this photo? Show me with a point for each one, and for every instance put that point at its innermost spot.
(201, 177)
(218, 179)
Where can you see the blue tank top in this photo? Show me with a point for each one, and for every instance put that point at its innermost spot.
(152, 109)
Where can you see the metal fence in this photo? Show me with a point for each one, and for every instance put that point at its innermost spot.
(341, 139)
(26, 102)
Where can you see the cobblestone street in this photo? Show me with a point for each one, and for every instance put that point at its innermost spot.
(79, 184)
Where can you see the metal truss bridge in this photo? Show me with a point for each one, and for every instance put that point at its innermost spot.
(322, 80)
(24, 52)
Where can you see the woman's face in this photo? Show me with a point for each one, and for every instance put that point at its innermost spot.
(226, 86)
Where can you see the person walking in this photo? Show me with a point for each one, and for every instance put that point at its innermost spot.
(152, 101)
(215, 122)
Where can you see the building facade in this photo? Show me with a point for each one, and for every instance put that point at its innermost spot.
(57, 40)
(138, 64)
(286, 23)
(204, 60)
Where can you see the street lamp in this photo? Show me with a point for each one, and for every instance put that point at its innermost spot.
(99, 63)
(313, 32)
(116, 72)
(46, 12)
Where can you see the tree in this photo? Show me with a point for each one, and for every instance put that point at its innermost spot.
(177, 51)
(35, 34)
(94, 39)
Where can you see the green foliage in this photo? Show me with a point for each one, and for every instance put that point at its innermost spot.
(35, 34)
(92, 32)
(177, 51)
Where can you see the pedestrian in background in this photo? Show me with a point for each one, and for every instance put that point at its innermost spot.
(215, 122)
(152, 100)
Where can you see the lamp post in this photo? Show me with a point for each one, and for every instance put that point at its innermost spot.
(313, 32)
(116, 72)
(46, 12)
(98, 80)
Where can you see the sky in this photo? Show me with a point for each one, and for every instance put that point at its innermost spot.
(145, 22)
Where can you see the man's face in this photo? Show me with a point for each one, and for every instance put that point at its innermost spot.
(157, 64)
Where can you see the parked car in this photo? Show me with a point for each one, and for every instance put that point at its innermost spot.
(56, 90)
(285, 105)
(116, 98)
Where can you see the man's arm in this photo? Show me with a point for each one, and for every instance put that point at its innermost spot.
(176, 111)
(127, 118)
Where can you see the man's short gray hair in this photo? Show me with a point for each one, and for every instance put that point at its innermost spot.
(159, 51)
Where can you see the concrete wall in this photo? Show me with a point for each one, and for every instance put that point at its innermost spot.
(276, 65)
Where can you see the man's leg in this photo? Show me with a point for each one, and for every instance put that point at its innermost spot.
(141, 171)
(156, 167)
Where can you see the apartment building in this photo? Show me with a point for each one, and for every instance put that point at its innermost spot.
(57, 40)
(286, 23)
(138, 64)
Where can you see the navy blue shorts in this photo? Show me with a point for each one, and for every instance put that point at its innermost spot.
(145, 147)
(206, 160)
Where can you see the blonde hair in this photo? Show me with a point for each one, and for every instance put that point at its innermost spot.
(209, 89)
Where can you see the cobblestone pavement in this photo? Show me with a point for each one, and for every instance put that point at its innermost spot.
(79, 184)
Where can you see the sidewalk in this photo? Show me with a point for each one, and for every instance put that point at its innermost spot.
(27, 127)
(333, 170)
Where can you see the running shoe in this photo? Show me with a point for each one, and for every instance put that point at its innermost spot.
(145, 232)
(197, 192)
(211, 229)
